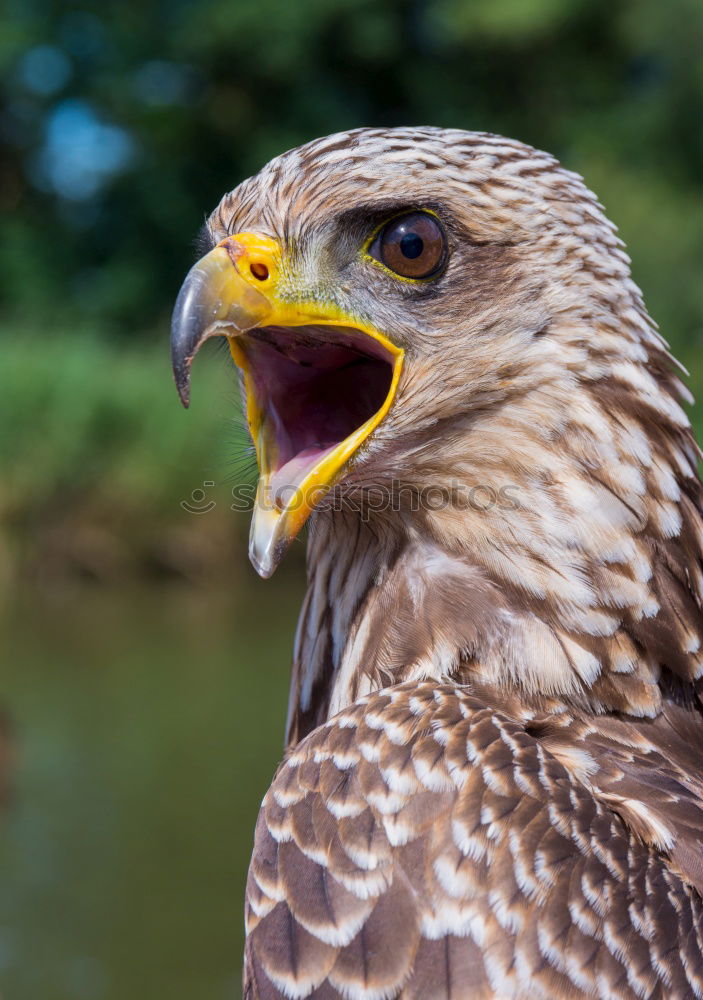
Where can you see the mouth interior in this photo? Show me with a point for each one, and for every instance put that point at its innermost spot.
(315, 386)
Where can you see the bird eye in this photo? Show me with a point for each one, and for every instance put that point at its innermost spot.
(412, 245)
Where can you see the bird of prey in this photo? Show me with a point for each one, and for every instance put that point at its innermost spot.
(493, 778)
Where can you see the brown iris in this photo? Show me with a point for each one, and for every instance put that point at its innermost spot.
(412, 245)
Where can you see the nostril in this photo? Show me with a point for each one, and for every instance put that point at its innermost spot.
(259, 270)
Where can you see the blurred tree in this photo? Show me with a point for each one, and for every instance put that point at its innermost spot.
(124, 122)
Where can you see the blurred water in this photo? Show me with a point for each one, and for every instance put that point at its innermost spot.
(149, 725)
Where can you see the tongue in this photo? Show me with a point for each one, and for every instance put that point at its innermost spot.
(286, 480)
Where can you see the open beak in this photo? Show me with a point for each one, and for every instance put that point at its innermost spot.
(317, 381)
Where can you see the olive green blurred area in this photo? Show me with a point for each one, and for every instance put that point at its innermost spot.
(144, 666)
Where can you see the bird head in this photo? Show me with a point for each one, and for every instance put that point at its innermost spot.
(444, 323)
(375, 287)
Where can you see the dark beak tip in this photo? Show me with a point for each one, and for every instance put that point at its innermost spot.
(181, 375)
(183, 389)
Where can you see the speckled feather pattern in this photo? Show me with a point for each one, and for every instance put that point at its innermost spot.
(439, 842)
(506, 801)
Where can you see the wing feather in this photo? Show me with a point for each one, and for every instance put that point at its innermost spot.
(436, 843)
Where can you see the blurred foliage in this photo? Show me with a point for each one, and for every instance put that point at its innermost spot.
(100, 460)
(125, 122)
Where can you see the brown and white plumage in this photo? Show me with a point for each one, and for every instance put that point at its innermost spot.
(492, 785)
(436, 842)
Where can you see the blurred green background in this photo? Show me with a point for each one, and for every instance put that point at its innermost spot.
(144, 664)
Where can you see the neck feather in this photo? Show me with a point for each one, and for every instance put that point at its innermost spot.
(571, 573)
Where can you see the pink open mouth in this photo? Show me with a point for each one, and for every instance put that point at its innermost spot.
(313, 386)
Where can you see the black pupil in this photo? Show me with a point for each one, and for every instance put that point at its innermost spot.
(411, 246)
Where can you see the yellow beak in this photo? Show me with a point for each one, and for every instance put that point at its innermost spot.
(237, 291)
